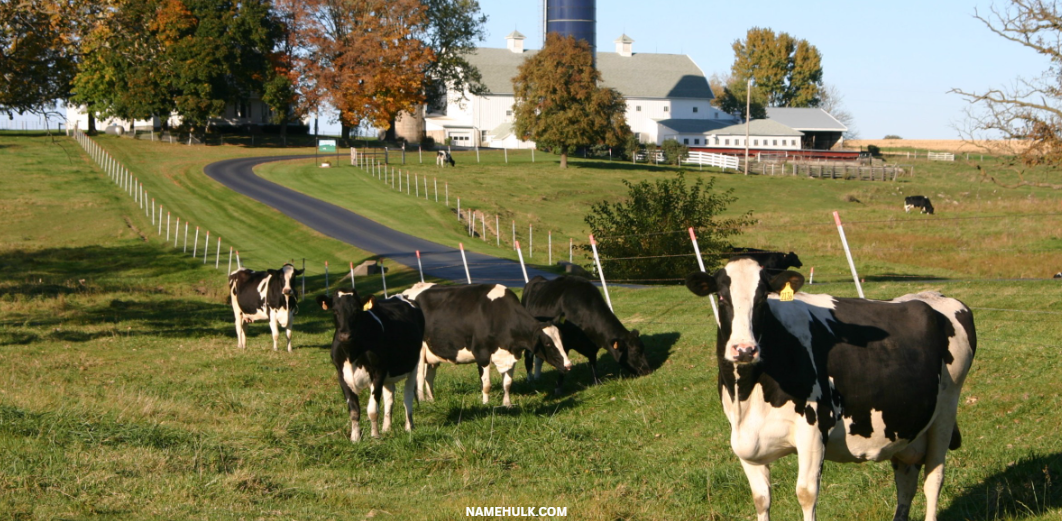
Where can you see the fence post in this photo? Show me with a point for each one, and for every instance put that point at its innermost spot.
(420, 268)
(465, 262)
(435, 180)
(195, 247)
(239, 266)
(601, 273)
(522, 267)
(230, 260)
(497, 230)
(352, 274)
(206, 247)
(848, 253)
(217, 255)
(700, 264)
(326, 278)
(383, 276)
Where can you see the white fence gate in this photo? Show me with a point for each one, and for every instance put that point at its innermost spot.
(707, 158)
(940, 156)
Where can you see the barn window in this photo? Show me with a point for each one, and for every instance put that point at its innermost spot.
(716, 141)
(694, 110)
(637, 108)
(482, 135)
(666, 108)
(685, 141)
(508, 113)
(696, 141)
(774, 142)
(726, 142)
(756, 142)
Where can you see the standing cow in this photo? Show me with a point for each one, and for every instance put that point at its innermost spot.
(261, 295)
(376, 343)
(846, 380)
(485, 324)
(589, 324)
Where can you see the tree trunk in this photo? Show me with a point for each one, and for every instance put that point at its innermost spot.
(391, 136)
(344, 131)
(564, 159)
(91, 130)
(284, 131)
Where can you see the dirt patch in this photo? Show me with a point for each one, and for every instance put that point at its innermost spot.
(129, 223)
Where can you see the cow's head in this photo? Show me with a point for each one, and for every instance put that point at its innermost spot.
(630, 352)
(345, 306)
(548, 345)
(791, 260)
(280, 280)
(742, 287)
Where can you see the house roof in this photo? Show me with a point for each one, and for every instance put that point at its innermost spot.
(642, 75)
(759, 127)
(806, 119)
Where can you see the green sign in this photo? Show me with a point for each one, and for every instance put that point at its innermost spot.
(326, 145)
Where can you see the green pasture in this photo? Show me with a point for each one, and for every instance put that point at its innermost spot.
(123, 396)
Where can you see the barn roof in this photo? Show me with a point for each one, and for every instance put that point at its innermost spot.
(759, 127)
(642, 75)
(806, 119)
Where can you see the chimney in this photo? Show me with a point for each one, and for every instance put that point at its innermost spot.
(515, 42)
(623, 46)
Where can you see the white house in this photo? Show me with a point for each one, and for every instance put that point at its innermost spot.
(662, 91)
(251, 112)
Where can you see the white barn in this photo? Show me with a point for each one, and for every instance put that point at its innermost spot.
(664, 92)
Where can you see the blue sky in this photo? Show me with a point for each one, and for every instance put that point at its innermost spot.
(893, 62)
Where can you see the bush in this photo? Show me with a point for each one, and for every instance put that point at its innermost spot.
(653, 222)
(874, 151)
(428, 143)
(892, 136)
(674, 152)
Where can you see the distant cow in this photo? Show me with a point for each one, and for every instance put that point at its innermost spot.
(770, 260)
(485, 324)
(589, 324)
(261, 295)
(1058, 275)
(376, 343)
(837, 379)
(443, 157)
(917, 201)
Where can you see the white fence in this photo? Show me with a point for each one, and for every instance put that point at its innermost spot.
(710, 159)
(940, 156)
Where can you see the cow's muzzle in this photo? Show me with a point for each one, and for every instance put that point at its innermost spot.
(744, 353)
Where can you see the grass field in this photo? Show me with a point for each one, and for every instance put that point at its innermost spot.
(123, 395)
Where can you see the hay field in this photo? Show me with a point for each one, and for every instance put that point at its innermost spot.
(940, 145)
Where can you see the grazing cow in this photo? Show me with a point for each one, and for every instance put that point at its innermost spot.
(376, 343)
(1058, 275)
(771, 260)
(846, 380)
(917, 201)
(260, 295)
(443, 157)
(589, 324)
(481, 323)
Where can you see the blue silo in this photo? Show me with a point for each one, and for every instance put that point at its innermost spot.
(576, 18)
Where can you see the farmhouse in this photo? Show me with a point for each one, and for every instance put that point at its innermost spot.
(667, 97)
(249, 112)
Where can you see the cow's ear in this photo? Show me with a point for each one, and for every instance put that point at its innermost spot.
(298, 272)
(324, 301)
(701, 283)
(794, 279)
(369, 303)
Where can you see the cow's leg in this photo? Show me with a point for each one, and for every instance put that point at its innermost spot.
(388, 404)
(538, 367)
(939, 437)
(760, 481)
(274, 327)
(507, 383)
(374, 409)
(810, 454)
(241, 335)
(353, 408)
(906, 477)
(429, 381)
(407, 399)
(529, 360)
(287, 328)
(593, 367)
(484, 377)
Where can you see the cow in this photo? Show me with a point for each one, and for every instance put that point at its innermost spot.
(376, 344)
(443, 157)
(771, 260)
(589, 325)
(846, 380)
(917, 201)
(261, 295)
(485, 324)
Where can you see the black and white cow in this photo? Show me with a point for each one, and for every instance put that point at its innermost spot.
(917, 201)
(485, 324)
(443, 157)
(771, 260)
(837, 379)
(589, 324)
(376, 343)
(261, 295)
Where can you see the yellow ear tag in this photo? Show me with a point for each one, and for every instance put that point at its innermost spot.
(563, 320)
(368, 305)
(786, 295)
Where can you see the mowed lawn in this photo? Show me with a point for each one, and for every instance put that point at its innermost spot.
(123, 395)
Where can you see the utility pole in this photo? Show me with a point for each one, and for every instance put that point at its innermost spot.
(748, 117)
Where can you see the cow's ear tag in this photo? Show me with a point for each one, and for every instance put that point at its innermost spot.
(786, 295)
(368, 305)
(563, 319)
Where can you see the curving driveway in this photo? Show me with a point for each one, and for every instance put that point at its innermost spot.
(439, 261)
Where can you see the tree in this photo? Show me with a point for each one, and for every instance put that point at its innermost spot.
(653, 222)
(558, 103)
(1031, 108)
(363, 57)
(674, 152)
(730, 97)
(38, 53)
(786, 71)
(832, 103)
(451, 30)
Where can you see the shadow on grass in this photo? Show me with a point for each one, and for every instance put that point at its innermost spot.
(902, 277)
(455, 414)
(1029, 488)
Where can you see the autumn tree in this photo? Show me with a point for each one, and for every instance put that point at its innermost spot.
(1031, 108)
(363, 58)
(558, 103)
(785, 72)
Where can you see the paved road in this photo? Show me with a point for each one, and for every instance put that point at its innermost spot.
(440, 261)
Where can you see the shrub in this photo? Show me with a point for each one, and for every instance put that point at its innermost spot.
(892, 136)
(428, 143)
(674, 152)
(653, 222)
